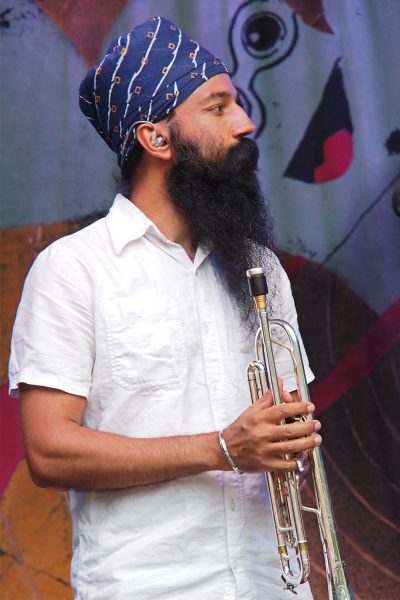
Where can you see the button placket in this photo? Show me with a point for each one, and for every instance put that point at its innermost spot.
(210, 351)
(234, 511)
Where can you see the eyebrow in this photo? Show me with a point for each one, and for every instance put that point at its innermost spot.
(218, 96)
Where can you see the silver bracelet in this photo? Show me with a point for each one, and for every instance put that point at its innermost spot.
(225, 450)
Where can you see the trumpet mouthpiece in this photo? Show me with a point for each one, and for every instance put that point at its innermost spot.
(257, 281)
(258, 286)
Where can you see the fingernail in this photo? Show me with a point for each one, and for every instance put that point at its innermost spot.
(317, 440)
(310, 408)
(317, 426)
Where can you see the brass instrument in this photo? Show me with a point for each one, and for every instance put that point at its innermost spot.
(285, 498)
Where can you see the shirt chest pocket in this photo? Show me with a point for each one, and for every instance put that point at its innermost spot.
(145, 342)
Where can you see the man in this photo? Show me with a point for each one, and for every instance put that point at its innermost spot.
(133, 336)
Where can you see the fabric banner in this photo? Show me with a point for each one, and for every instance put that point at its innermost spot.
(320, 79)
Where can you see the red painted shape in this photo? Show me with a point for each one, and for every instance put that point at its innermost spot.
(85, 22)
(359, 362)
(312, 14)
(294, 264)
(338, 154)
(11, 448)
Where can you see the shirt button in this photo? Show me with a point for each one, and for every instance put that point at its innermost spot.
(233, 504)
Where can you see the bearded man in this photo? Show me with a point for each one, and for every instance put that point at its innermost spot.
(132, 340)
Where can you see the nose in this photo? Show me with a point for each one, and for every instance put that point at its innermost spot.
(242, 124)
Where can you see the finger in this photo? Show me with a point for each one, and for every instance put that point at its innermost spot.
(299, 445)
(302, 475)
(286, 466)
(266, 400)
(279, 413)
(293, 430)
(281, 465)
(285, 396)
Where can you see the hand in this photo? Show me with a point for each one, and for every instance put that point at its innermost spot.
(258, 441)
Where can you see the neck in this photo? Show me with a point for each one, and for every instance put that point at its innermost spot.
(149, 195)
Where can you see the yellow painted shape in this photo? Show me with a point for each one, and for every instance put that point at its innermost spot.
(35, 541)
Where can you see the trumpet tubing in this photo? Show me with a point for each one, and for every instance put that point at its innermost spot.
(286, 505)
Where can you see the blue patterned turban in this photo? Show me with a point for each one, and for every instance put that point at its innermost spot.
(143, 77)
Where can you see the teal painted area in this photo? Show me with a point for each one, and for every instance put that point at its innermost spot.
(55, 167)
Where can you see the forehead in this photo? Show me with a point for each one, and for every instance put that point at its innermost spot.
(218, 85)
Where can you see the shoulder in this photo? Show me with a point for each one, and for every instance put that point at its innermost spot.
(70, 260)
(79, 246)
(86, 239)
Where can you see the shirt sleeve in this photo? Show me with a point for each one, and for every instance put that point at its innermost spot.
(283, 358)
(53, 341)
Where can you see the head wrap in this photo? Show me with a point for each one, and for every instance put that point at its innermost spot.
(143, 77)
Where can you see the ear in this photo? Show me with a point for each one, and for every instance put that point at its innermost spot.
(155, 139)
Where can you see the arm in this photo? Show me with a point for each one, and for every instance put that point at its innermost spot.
(63, 453)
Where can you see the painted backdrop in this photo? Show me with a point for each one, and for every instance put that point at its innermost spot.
(321, 80)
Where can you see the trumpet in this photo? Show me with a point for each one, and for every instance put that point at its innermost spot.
(286, 504)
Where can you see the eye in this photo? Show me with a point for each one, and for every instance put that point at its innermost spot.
(269, 35)
(217, 109)
(262, 32)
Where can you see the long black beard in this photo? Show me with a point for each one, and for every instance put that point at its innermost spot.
(219, 195)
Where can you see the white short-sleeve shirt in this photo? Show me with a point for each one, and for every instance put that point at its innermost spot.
(120, 315)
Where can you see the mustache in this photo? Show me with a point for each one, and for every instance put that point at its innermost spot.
(216, 163)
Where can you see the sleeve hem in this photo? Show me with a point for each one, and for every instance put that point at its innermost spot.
(50, 380)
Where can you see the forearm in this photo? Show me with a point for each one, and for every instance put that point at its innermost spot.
(87, 459)
(61, 452)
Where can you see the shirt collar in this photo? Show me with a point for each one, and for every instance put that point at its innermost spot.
(127, 223)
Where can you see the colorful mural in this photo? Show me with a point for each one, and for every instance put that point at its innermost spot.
(319, 80)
